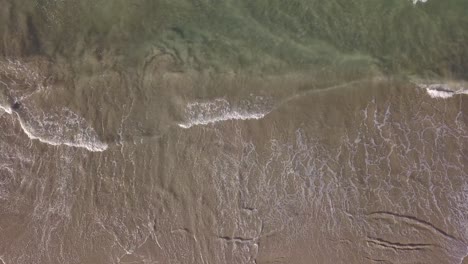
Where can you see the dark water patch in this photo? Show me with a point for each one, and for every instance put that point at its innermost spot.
(16, 106)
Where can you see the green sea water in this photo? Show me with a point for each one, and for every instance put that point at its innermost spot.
(392, 36)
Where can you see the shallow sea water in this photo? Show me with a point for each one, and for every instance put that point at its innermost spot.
(233, 131)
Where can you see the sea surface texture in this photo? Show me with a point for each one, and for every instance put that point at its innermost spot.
(233, 131)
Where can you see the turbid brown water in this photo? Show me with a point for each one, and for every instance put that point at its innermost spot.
(123, 141)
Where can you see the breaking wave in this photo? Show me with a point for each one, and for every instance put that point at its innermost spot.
(63, 128)
(218, 110)
(444, 91)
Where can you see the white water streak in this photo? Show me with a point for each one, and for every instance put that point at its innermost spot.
(65, 129)
(443, 91)
(204, 113)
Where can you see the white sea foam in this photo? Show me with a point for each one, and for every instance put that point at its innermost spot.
(439, 94)
(4, 102)
(204, 113)
(443, 91)
(5, 108)
(64, 128)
